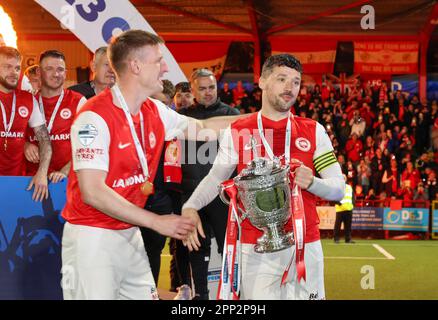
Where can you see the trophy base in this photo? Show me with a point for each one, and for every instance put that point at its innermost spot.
(267, 245)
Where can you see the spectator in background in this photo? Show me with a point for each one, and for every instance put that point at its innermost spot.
(102, 75)
(239, 92)
(406, 193)
(369, 148)
(363, 175)
(411, 174)
(367, 114)
(358, 193)
(371, 195)
(34, 78)
(183, 96)
(225, 94)
(378, 164)
(391, 178)
(422, 131)
(256, 100)
(431, 183)
(382, 141)
(351, 173)
(393, 142)
(342, 163)
(421, 193)
(357, 124)
(354, 148)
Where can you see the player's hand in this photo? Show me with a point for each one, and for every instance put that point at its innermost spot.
(303, 177)
(31, 152)
(172, 225)
(41, 191)
(192, 241)
(57, 176)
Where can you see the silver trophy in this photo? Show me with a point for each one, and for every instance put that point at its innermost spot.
(263, 189)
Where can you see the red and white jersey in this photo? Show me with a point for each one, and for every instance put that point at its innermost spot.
(27, 114)
(60, 129)
(309, 143)
(101, 140)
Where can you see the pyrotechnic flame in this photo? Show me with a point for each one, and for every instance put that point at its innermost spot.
(8, 36)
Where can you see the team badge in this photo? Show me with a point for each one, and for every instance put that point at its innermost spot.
(152, 140)
(303, 144)
(23, 111)
(87, 133)
(65, 114)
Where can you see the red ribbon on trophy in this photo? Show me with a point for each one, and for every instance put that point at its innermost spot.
(229, 282)
(299, 225)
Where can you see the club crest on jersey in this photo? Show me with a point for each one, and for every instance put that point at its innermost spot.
(152, 140)
(65, 114)
(23, 111)
(303, 144)
(87, 133)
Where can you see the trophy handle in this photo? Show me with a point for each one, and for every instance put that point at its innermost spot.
(226, 200)
(222, 195)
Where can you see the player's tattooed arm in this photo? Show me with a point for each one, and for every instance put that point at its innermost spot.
(45, 147)
(45, 153)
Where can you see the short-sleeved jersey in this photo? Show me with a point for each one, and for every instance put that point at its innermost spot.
(26, 114)
(309, 144)
(60, 131)
(101, 139)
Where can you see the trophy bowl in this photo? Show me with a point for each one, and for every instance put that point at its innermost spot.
(263, 189)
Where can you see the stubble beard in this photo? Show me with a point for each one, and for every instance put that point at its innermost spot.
(7, 85)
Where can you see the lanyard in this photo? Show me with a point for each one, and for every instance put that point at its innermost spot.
(286, 142)
(138, 146)
(55, 111)
(8, 126)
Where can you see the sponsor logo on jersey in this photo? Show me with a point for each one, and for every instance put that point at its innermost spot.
(86, 154)
(13, 134)
(303, 144)
(23, 111)
(152, 140)
(87, 133)
(130, 181)
(124, 145)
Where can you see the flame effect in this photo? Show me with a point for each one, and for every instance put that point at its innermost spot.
(8, 36)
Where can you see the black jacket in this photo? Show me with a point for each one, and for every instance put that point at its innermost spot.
(85, 89)
(197, 156)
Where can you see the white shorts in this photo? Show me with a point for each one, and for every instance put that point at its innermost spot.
(262, 273)
(105, 264)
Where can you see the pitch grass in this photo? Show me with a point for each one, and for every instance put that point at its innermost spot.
(413, 275)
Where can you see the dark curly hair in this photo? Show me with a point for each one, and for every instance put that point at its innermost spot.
(280, 60)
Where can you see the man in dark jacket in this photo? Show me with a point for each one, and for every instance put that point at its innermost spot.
(198, 159)
(103, 76)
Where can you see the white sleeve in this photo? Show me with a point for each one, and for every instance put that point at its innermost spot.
(174, 123)
(331, 185)
(26, 85)
(36, 118)
(90, 140)
(223, 166)
(81, 104)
